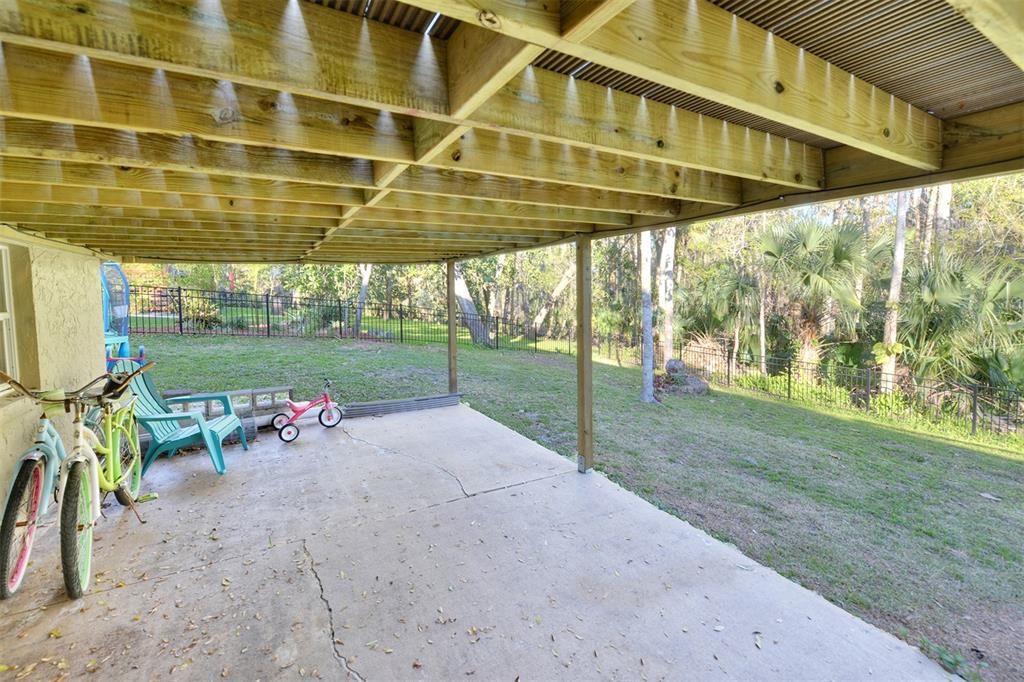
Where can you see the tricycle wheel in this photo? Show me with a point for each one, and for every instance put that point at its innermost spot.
(279, 420)
(289, 433)
(330, 416)
(19, 525)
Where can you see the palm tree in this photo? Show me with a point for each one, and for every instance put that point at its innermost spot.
(733, 296)
(815, 264)
(961, 320)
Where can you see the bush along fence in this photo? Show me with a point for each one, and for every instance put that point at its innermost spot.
(966, 408)
(174, 310)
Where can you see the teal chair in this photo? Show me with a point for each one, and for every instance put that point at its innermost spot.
(171, 431)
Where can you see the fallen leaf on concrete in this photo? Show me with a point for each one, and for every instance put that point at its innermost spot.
(26, 671)
(56, 633)
(417, 665)
(719, 628)
(757, 639)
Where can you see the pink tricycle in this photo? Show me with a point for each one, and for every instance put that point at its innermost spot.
(330, 415)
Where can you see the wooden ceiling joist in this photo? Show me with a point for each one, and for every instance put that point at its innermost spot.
(128, 178)
(296, 131)
(123, 198)
(727, 60)
(186, 154)
(433, 181)
(220, 110)
(1001, 21)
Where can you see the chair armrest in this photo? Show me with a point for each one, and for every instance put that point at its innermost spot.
(222, 398)
(194, 415)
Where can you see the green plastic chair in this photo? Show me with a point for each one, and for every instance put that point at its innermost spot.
(169, 431)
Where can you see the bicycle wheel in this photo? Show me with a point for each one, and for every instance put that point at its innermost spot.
(76, 530)
(330, 417)
(19, 525)
(279, 420)
(289, 433)
(131, 467)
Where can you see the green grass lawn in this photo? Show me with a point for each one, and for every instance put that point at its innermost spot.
(919, 534)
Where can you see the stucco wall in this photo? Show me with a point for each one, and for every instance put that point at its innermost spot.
(59, 327)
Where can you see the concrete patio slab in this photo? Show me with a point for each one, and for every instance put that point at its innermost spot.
(430, 545)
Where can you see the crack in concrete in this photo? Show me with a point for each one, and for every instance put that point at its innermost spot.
(391, 451)
(330, 616)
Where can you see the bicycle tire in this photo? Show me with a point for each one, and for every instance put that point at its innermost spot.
(76, 530)
(279, 420)
(335, 410)
(131, 461)
(28, 486)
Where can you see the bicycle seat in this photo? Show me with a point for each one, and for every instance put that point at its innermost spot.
(297, 406)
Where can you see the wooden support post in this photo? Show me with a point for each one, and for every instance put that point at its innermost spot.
(453, 330)
(584, 350)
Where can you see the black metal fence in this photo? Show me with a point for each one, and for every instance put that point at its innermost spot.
(967, 408)
(174, 310)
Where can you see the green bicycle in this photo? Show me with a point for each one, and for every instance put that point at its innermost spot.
(104, 459)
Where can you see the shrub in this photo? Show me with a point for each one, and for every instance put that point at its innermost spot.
(201, 313)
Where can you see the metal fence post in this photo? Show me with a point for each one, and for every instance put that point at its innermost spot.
(267, 301)
(789, 378)
(497, 334)
(536, 333)
(181, 314)
(867, 393)
(974, 409)
(728, 368)
(401, 324)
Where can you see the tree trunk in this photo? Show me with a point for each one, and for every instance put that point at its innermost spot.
(892, 306)
(497, 304)
(365, 269)
(478, 330)
(567, 278)
(667, 292)
(943, 198)
(929, 225)
(647, 356)
(762, 342)
(858, 282)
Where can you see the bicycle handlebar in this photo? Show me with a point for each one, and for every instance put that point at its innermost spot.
(113, 388)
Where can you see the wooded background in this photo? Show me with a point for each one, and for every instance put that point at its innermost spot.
(927, 282)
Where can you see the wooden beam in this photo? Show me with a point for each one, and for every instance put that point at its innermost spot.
(157, 228)
(45, 140)
(558, 109)
(1001, 21)
(971, 142)
(584, 359)
(100, 94)
(977, 145)
(127, 178)
(25, 208)
(189, 166)
(453, 331)
(383, 215)
(72, 89)
(465, 206)
(433, 181)
(486, 152)
(122, 198)
(728, 60)
(108, 221)
(296, 47)
(363, 225)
